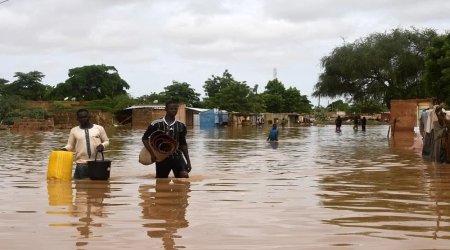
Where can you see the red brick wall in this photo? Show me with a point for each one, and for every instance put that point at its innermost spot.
(404, 114)
(66, 119)
(142, 117)
(29, 124)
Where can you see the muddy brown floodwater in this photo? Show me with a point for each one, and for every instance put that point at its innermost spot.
(315, 189)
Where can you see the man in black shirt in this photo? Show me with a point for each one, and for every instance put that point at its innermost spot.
(177, 130)
(363, 123)
(338, 123)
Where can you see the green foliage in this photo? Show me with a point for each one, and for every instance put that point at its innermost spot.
(215, 84)
(62, 91)
(28, 86)
(437, 69)
(3, 83)
(279, 99)
(9, 105)
(255, 103)
(320, 114)
(273, 96)
(275, 87)
(231, 95)
(35, 113)
(338, 105)
(93, 82)
(380, 67)
(181, 92)
(368, 107)
(153, 98)
(274, 103)
(57, 105)
(234, 97)
(296, 102)
(112, 104)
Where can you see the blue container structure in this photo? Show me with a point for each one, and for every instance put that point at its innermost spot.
(213, 118)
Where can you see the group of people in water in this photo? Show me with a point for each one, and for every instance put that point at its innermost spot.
(356, 122)
(87, 139)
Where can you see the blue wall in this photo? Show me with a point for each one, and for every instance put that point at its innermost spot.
(213, 118)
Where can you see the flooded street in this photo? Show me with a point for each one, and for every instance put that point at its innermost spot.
(315, 189)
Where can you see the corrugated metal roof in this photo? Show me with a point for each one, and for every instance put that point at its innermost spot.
(146, 106)
(161, 106)
(196, 109)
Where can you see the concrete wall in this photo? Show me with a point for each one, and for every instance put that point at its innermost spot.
(404, 114)
(142, 117)
(66, 119)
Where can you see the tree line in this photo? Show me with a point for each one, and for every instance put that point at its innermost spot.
(366, 74)
(103, 88)
(401, 64)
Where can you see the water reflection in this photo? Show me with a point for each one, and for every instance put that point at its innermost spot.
(274, 144)
(164, 206)
(437, 185)
(59, 193)
(392, 196)
(346, 189)
(89, 205)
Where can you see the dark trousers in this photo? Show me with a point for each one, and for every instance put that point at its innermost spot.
(81, 171)
(175, 164)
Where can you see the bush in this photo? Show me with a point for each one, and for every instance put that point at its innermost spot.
(35, 113)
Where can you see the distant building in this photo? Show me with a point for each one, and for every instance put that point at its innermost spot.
(140, 116)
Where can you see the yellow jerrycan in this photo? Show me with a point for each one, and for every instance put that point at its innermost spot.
(60, 165)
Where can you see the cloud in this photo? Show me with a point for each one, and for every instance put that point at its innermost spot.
(154, 42)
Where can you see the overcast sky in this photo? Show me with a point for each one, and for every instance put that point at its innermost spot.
(155, 42)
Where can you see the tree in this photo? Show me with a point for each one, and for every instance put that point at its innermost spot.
(153, 98)
(256, 103)
(62, 91)
(96, 82)
(320, 114)
(368, 107)
(228, 94)
(234, 97)
(294, 101)
(437, 69)
(275, 87)
(279, 99)
(28, 86)
(274, 103)
(380, 67)
(181, 92)
(217, 83)
(3, 83)
(338, 105)
(273, 96)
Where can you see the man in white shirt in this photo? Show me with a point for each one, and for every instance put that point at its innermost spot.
(85, 140)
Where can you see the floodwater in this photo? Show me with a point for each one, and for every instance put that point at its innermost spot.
(315, 189)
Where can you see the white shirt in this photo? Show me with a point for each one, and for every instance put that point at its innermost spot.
(77, 142)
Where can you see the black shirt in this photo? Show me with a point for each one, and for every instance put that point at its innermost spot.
(176, 130)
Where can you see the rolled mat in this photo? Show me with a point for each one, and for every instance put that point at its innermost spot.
(162, 145)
